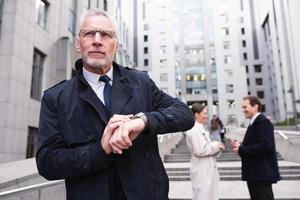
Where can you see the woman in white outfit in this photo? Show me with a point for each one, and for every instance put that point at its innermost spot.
(204, 171)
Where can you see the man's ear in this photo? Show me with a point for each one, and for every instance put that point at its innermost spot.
(256, 107)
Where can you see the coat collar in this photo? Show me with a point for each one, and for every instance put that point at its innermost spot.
(122, 91)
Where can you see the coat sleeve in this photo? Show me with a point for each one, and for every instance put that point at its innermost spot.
(265, 132)
(198, 146)
(167, 114)
(54, 158)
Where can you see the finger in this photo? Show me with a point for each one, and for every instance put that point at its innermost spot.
(109, 129)
(117, 117)
(115, 141)
(118, 151)
(124, 135)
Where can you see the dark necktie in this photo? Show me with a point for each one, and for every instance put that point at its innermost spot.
(106, 92)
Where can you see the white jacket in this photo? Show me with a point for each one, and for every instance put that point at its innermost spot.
(204, 172)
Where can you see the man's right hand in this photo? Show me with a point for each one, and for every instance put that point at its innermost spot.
(112, 125)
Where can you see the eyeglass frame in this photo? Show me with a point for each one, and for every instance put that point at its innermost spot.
(104, 34)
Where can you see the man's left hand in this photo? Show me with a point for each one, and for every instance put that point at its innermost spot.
(124, 135)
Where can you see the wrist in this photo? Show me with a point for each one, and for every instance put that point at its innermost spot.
(143, 118)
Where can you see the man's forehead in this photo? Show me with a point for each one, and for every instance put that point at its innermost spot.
(97, 21)
(246, 102)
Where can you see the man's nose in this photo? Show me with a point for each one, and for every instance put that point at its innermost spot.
(97, 37)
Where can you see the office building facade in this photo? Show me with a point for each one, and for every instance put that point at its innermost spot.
(37, 51)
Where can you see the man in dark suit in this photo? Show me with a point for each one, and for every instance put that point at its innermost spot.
(102, 137)
(258, 152)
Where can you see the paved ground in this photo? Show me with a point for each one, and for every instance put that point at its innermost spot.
(234, 189)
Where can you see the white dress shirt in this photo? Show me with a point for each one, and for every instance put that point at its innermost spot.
(96, 85)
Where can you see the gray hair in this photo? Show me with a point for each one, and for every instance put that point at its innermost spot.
(97, 12)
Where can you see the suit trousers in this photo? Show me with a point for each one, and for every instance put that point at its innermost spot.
(259, 191)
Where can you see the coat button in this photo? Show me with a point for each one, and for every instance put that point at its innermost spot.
(157, 191)
(91, 138)
(86, 165)
(147, 154)
(169, 116)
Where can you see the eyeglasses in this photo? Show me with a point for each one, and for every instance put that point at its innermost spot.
(90, 34)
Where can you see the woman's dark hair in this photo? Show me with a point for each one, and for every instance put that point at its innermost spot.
(197, 108)
(253, 100)
(214, 125)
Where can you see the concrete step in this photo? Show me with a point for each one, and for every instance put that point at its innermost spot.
(231, 187)
(170, 160)
(230, 172)
(281, 168)
(291, 177)
(235, 190)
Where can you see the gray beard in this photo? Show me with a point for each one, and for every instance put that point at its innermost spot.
(96, 63)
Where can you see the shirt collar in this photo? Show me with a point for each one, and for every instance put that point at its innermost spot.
(198, 124)
(254, 117)
(94, 78)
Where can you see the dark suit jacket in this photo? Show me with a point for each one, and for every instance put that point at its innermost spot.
(73, 119)
(258, 152)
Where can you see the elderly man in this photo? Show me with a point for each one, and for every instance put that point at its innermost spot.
(98, 131)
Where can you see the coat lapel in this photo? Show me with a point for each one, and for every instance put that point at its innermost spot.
(122, 90)
(88, 95)
(250, 128)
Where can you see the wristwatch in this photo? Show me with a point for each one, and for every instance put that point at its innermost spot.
(143, 117)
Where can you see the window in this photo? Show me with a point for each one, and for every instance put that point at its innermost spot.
(145, 38)
(226, 45)
(163, 62)
(164, 77)
(247, 69)
(245, 56)
(260, 94)
(228, 73)
(224, 18)
(257, 68)
(230, 103)
(37, 74)
(241, 19)
(244, 43)
(229, 88)
(146, 62)
(225, 31)
(41, 7)
(145, 50)
(105, 5)
(259, 81)
(263, 108)
(163, 36)
(1, 13)
(227, 59)
(163, 49)
(144, 10)
(146, 27)
(31, 142)
(248, 82)
(87, 4)
(242, 5)
(72, 16)
(243, 31)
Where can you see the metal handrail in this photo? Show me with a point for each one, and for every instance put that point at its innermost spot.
(282, 134)
(161, 138)
(23, 190)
